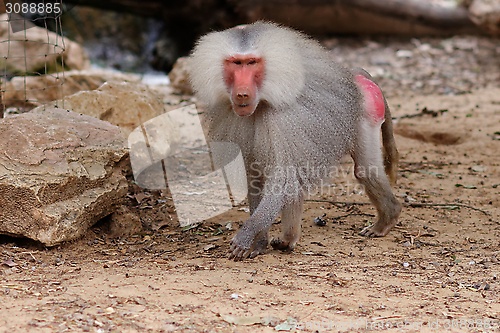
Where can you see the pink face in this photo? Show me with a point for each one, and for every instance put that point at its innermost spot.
(243, 75)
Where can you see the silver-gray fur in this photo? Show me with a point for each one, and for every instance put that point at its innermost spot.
(309, 116)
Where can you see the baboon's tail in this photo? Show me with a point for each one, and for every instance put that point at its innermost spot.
(391, 154)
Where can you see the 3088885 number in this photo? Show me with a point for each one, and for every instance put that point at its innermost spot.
(33, 8)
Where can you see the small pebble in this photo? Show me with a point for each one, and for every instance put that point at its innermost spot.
(320, 221)
(404, 54)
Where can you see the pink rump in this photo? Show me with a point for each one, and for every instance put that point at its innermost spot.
(374, 100)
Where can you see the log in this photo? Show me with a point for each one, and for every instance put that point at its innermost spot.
(417, 11)
(403, 17)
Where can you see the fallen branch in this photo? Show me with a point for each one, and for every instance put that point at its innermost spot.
(423, 204)
(424, 112)
(407, 204)
(352, 214)
(340, 203)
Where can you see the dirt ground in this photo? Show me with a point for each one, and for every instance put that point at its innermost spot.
(437, 270)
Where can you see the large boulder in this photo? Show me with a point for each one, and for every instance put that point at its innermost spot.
(124, 104)
(60, 172)
(179, 77)
(27, 92)
(37, 50)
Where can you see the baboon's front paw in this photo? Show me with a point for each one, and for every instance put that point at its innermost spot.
(237, 252)
(243, 247)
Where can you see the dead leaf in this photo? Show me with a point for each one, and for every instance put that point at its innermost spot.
(9, 263)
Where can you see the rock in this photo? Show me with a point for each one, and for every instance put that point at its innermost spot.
(60, 172)
(179, 78)
(124, 223)
(27, 92)
(124, 104)
(37, 50)
(486, 14)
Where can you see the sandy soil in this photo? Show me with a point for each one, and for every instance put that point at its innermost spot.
(437, 270)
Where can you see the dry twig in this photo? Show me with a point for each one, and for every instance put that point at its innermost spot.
(407, 204)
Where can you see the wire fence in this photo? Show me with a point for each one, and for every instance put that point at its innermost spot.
(31, 55)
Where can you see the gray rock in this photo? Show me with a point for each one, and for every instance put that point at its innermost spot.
(60, 172)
